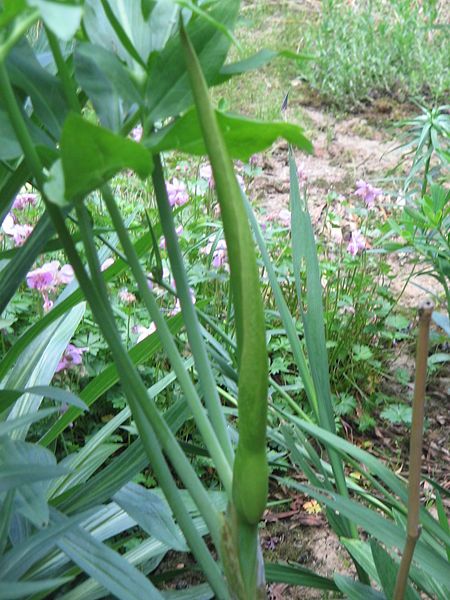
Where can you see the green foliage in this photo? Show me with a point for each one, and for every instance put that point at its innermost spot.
(368, 49)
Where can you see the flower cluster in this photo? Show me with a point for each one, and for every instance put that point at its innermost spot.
(127, 297)
(19, 233)
(367, 192)
(220, 253)
(23, 200)
(47, 278)
(357, 243)
(177, 192)
(72, 357)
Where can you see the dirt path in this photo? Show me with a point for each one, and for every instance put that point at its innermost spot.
(345, 151)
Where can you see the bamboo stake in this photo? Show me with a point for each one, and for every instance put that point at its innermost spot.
(415, 449)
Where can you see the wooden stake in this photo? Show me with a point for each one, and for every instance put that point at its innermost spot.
(415, 449)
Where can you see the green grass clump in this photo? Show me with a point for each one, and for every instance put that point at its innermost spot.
(374, 48)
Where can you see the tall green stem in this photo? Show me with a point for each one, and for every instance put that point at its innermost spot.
(250, 473)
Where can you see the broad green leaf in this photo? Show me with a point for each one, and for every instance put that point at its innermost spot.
(354, 590)
(107, 83)
(387, 570)
(31, 496)
(91, 155)
(10, 147)
(7, 397)
(44, 89)
(168, 92)
(150, 513)
(375, 467)
(109, 377)
(62, 18)
(146, 35)
(7, 426)
(107, 567)
(197, 592)
(37, 364)
(243, 136)
(10, 590)
(387, 532)
(256, 61)
(297, 575)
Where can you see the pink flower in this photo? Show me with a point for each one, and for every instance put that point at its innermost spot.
(356, 243)
(43, 278)
(65, 275)
(72, 357)
(220, 254)
(19, 233)
(284, 216)
(136, 133)
(143, 332)
(205, 172)
(367, 192)
(8, 224)
(105, 265)
(127, 297)
(23, 200)
(177, 193)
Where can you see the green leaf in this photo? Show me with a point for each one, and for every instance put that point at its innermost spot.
(11, 590)
(136, 35)
(63, 19)
(28, 467)
(91, 155)
(297, 575)
(107, 567)
(354, 590)
(150, 513)
(36, 365)
(13, 424)
(256, 61)
(387, 570)
(44, 89)
(7, 397)
(109, 377)
(387, 532)
(107, 83)
(243, 136)
(168, 92)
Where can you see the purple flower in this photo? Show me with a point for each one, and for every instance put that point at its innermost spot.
(367, 192)
(357, 243)
(72, 357)
(43, 278)
(177, 193)
(23, 200)
(19, 233)
(205, 172)
(220, 254)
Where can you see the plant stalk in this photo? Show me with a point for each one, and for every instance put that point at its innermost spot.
(415, 449)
